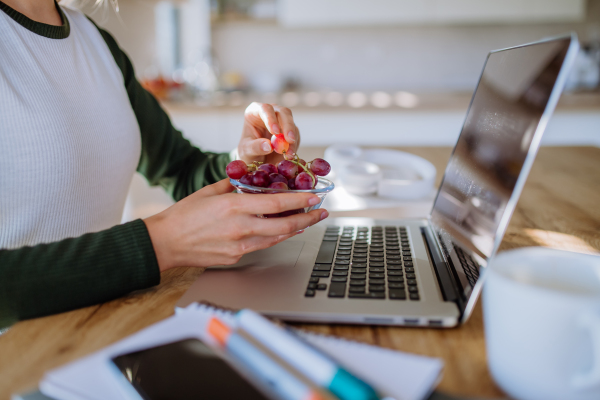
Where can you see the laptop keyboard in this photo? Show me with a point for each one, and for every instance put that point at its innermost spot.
(365, 263)
(469, 266)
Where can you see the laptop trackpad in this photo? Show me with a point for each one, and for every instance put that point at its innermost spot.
(284, 254)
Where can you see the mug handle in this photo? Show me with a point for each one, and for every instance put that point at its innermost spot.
(591, 378)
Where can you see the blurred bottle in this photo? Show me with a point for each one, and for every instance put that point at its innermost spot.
(585, 74)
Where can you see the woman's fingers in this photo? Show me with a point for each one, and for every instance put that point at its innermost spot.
(263, 121)
(221, 187)
(288, 225)
(256, 147)
(267, 114)
(273, 203)
(286, 121)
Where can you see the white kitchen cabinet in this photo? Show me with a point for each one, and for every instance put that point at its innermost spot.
(322, 13)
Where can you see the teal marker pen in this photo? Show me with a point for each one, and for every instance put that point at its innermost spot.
(308, 361)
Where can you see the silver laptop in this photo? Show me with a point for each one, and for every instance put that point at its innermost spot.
(419, 272)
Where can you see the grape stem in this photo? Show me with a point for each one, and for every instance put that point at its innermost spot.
(306, 169)
(254, 166)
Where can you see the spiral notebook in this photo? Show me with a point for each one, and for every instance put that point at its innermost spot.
(401, 376)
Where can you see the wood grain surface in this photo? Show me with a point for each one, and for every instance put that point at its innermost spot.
(559, 207)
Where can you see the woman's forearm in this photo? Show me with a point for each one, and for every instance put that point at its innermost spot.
(77, 272)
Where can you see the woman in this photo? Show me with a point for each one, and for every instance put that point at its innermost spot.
(74, 126)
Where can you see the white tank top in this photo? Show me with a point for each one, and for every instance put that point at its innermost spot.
(69, 140)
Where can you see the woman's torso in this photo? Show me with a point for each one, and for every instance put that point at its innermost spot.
(69, 140)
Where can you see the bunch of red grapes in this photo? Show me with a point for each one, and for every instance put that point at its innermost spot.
(294, 174)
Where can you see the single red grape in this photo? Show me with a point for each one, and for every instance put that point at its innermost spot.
(278, 178)
(287, 169)
(320, 167)
(261, 179)
(246, 179)
(278, 185)
(292, 183)
(301, 161)
(304, 181)
(236, 169)
(279, 144)
(268, 168)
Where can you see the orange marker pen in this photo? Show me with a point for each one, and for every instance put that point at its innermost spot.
(283, 383)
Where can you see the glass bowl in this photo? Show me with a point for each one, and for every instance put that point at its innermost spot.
(323, 187)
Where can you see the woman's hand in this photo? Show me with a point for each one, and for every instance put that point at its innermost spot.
(261, 121)
(216, 227)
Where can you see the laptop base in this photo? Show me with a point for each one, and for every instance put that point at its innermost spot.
(274, 282)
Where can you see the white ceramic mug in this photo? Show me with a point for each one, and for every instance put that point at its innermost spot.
(542, 324)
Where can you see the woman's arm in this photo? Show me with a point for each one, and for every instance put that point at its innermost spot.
(78, 272)
(210, 227)
(167, 159)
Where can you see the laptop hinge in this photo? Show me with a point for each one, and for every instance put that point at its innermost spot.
(450, 291)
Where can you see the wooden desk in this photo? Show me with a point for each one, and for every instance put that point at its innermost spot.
(560, 207)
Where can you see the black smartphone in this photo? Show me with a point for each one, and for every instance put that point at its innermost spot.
(183, 370)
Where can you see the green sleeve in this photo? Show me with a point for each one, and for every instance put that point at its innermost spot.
(78, 272)
(167, 158)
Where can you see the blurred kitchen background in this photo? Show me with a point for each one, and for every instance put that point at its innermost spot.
(365, 72)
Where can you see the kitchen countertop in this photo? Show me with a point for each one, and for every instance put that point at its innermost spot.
(442, 102)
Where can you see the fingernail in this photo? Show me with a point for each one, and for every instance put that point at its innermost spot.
(292, 136)
(324, 215)
(313, 201)
(275, 129)
(266, 147)
(300, 231)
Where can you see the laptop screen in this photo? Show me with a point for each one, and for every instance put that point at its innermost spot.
(481, 184)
